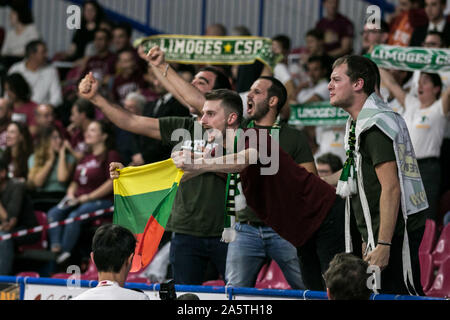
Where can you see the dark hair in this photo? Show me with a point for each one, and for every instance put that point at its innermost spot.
(32, 47)
(99, 15)
(436, 80)
(277, 89)
(107, 128)
(376, 72)
(320, 59)
(359, 67)
(105, 31)
(19, 86)
(24, 14)
(346, 278)
(125, 27)
(222, 81)
(316, 33)
(231, 100)
(332, 160)
(86, 107)
(188, 296)
(25, 150)
(440, 35)
(3, 164)
(284, 40)
(112, 245)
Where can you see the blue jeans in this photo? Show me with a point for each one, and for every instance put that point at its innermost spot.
(189, 257)
(66, 236)
(248, 253)
(6, 255)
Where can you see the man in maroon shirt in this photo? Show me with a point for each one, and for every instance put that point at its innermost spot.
(102, 65)
(338, 30)
(297, 204)
(129, 77)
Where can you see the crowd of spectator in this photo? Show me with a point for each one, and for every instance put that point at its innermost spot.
(55, 145)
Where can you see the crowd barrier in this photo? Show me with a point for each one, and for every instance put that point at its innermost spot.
(28, 288)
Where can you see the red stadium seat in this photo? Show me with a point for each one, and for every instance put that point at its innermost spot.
(214, 283)
(442, 250)
(91, 272)
(441, 285)
(30, 274)
(426, 270)
(271, 277)
(429, 237)
(41, 218)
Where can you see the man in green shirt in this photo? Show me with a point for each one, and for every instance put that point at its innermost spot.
(378, 199)
(197, 214)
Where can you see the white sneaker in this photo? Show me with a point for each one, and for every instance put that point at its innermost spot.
(63, 257)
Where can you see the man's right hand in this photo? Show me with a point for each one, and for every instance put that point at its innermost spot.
(155, 56)
(88, 87)
(113, 166)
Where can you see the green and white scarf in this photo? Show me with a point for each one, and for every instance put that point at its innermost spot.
(413, 198)
(235, 199)
(230, 50)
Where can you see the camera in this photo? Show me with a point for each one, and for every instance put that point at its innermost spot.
(167, 290)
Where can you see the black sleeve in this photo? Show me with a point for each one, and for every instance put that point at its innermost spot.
(167, 125)
(378, 146)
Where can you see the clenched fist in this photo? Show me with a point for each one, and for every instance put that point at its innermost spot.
(88, 87)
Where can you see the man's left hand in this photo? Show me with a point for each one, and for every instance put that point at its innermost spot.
(379, 256)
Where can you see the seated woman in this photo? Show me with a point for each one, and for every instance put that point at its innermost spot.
(19, 146)
(91, 189)
(50, 169)
(16, 213)
(425, 117)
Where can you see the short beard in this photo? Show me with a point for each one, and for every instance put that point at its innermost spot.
(260, 110)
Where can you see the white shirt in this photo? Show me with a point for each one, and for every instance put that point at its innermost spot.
(426, 126)
(330, 139)
(438, 27)
(281, 72)
(394, 103)
(44, 83)
(110, 290)
(15, 44)
(320, 89)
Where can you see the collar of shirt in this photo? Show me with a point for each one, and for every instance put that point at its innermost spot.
(105, 283)
(438, 27)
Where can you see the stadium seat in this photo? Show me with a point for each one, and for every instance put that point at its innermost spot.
(214, 283)
(137, 277)
(429, 237)
(441, 284)
(271, 277)
(31, 274)
(426, 270)
(91, 272)
(41, 218)
(442, 250)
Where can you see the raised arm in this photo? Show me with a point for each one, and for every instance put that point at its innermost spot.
(173, 82)
(88, 89)
(446, 101)
(394, 88)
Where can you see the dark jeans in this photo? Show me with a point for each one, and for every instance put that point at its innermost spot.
(392, 277)
(189, 257)
(430, 171)
(315, 255)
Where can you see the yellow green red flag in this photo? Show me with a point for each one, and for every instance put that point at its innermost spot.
(143, 198)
